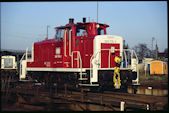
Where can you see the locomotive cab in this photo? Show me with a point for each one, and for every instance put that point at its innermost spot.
(77, 40)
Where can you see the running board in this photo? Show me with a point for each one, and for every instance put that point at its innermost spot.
(24, 80)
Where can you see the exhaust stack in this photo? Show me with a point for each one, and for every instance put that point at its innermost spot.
(71, 20)
(84, 20)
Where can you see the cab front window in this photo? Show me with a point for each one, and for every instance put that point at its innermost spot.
(60, 34)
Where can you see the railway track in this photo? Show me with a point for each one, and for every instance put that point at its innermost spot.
(32, 97)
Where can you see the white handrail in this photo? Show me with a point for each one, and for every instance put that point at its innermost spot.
(22, 57)
(137, 80)
(94, 55)
(78, 57)
(21, 62)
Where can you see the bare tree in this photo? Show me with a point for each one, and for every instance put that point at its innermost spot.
(142, 50)
(166, 51)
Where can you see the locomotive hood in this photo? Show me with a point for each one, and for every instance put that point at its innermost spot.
(107, 39)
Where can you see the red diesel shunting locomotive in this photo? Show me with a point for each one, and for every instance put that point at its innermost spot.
(80, 54)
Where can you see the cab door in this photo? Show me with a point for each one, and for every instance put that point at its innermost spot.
(78, 46)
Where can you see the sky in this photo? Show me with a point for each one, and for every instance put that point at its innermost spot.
(23, 23)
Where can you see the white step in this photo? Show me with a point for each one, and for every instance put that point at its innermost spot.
(83, 78)
(83, 73)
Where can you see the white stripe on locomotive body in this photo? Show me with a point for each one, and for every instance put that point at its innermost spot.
(69, 69)
(58, 69)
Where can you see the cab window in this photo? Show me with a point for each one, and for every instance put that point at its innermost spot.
(81, 31)
(100, 31)
(60, 34)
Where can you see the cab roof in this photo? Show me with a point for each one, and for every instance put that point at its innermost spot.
(80, 24)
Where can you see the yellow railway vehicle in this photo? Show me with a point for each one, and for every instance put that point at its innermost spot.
(158, 68)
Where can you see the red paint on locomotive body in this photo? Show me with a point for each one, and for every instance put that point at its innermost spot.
(57, 52)
(105, 55)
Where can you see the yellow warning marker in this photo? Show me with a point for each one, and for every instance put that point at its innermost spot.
(117, 81)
